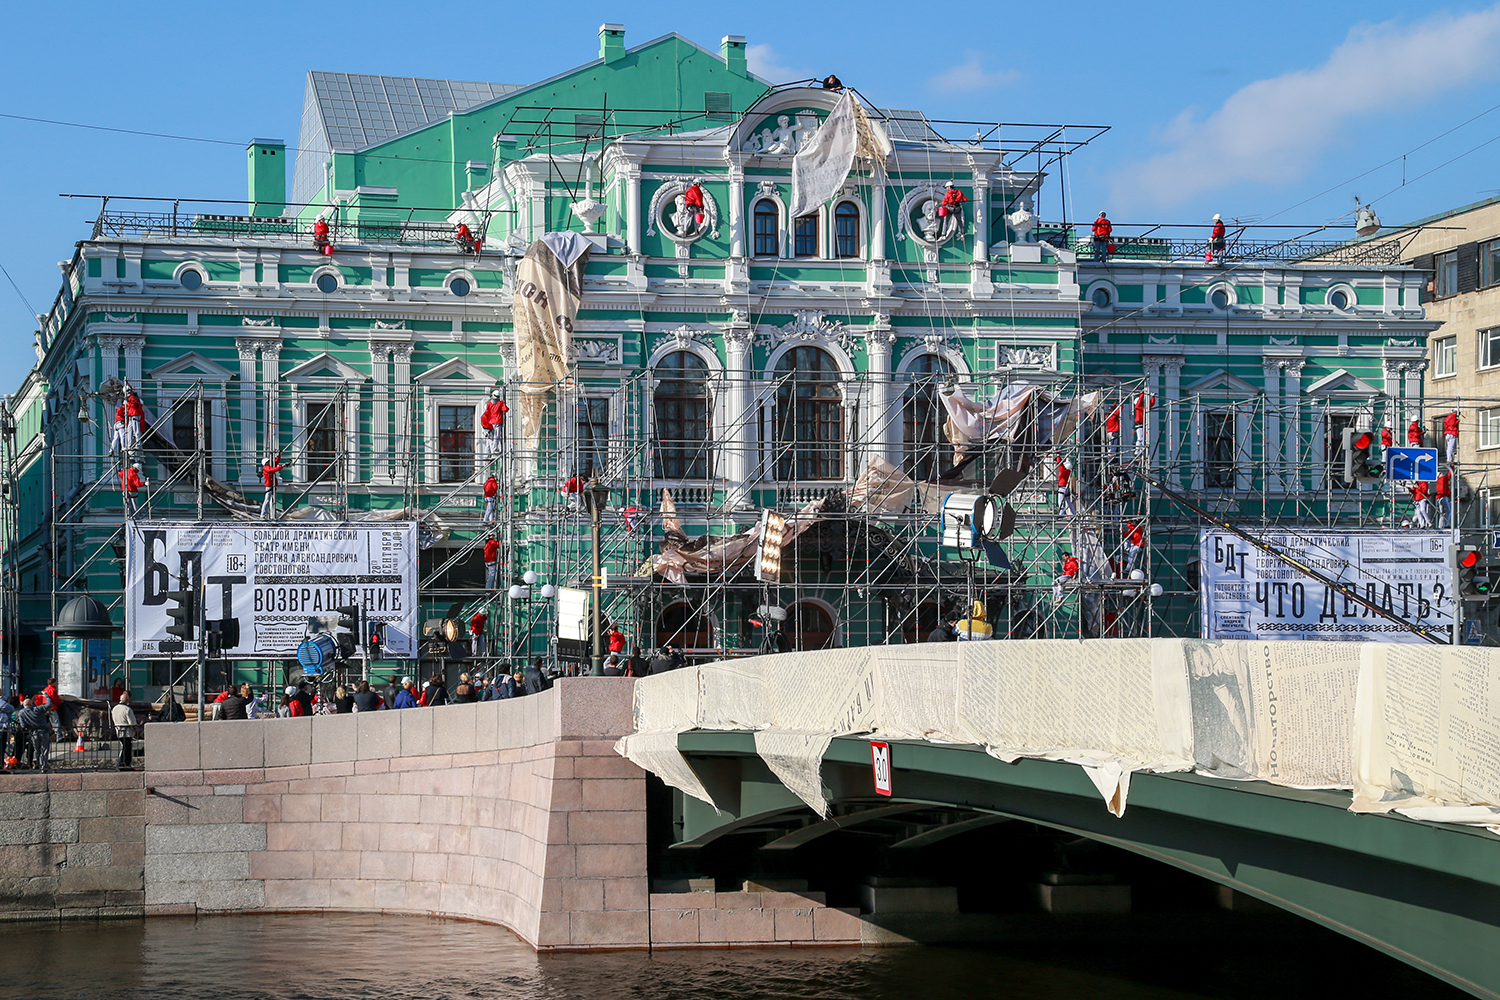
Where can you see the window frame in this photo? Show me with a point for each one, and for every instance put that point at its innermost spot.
(1489, 263)
(813, 239)
(314, 461)
(462, 471)
(1445, 347)
(1489, 428)
(1487, 353)
(697, 463)
(839, 216)
(1442, 265)
(592, 449)
(817, 459)
(922, 391)
(756, 235)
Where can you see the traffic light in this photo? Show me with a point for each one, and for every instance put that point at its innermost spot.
(1474, 584)
(185, 616)
(223, 633)
(377, 638)
(1359, 467)
(348, 629)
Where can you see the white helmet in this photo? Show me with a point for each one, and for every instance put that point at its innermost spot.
(290, 690)
(1216, 217)
(135, 465)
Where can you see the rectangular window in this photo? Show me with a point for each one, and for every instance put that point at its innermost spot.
(1489, 428)
(1489, 508)
(1489, 347)
(455, 443)
(1445, 356)
(593, 436)
(1447, 273)
(1489, 263)
(1218, 449)
(322, 439)
(1334, 448)
(185, 426)
(806, 240)
(766, 224)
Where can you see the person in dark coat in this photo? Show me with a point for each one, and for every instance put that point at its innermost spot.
(536, 682)
(233, 706)
(636, 666)
(366, 700)
(437, 691)
(941, 632)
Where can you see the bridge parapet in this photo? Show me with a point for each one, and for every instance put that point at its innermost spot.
(1403, 726)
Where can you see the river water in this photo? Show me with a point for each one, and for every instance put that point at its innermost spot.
(349, 956)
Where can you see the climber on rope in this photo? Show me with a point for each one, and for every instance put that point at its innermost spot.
(320, 235)
(467, 241)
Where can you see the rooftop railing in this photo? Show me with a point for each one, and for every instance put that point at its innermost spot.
(1197, 248)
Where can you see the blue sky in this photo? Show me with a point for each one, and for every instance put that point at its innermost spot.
(1267, 111)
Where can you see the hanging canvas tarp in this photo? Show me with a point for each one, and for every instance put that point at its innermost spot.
(549, 286)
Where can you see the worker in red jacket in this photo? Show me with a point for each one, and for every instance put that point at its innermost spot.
(135, 420)
(1216, 241)
(1112, 430)
(492, 420)
(570, 491)
(130, 484)
(1143, 403)
(1442, 490)
(1070, 566)
(693, 198)
(491, 490)
(1102, 231)
(1450, 435)
(1414, 434)
(1135, 541)
(1420, 516)
(268, 475)
(1387, 439)
(491, 561)
(616, 640)
(1064, 488)
(953, 200)
(467, 241)
(320, 235)
(476, 632)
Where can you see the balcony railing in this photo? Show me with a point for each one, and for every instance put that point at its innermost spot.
(178, 226)
(1197, 249)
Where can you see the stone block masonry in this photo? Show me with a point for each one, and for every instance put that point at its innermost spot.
(72, 845)
(514, 812)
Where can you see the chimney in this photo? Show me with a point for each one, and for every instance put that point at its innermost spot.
(732, 48)
(266, 159)
(611, 42)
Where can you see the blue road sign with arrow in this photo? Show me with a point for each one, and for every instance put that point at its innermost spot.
(1411, 464)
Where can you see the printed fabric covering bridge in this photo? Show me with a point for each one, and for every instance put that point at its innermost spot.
(1354, 784)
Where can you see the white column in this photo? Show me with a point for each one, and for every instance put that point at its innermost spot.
(633, 207)
(380, 414)
(1271, 443)
(249, 440)
(1291, 396)
(736, 210)
(980, 201)
(739, 422)
(133, 346)
(882, 410)
(877, 217)
(270, 374)
(1172, 368)
(402, 438)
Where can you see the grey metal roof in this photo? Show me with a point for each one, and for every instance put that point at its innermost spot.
(346, 111)
(906, 126)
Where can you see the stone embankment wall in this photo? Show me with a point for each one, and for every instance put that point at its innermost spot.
(72, 845)
(514, 812)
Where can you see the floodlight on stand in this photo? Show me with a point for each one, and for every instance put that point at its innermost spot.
(960, 528)
(773, 531)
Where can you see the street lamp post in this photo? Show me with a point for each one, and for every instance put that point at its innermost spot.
(598, 494)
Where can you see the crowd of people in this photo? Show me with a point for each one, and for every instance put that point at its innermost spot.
(31, 724)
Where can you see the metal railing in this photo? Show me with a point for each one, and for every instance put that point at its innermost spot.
(121, 225)
(1339, 253)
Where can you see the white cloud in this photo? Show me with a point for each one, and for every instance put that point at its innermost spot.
(765, 63)
(969, 75)
(1273, 131)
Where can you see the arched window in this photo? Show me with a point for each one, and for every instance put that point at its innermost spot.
(811, 626)
(846, 230)
(767, 229)
(683, 409)
(805, 238)
(809, 416)
(928, 452)
(680, 626)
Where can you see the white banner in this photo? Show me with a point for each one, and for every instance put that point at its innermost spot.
(548, 290)
(1249, 594)
(822, 163)
(271, 578)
